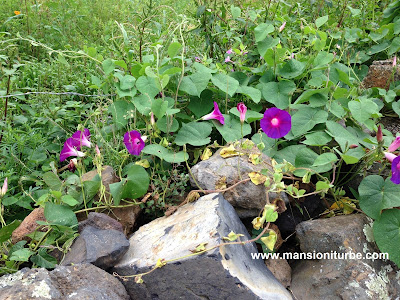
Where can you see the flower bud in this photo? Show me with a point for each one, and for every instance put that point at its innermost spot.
(4, 188)
(379, 135)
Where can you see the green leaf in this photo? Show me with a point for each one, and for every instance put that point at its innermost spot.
(43, 260)
(196, 83)
(225, 83)
(236, 11)
(363, 109)
(231, 130)
(291, 69)
(165, 154)
(323, 58)
(396, 107)
(116, 191)
(173, 49)
(306, 118)
(353, 156)
(6, 231)
(52, 181)
(394, 46)
(194, 133)
(305, 158)
(69, 200)
(121, 111)
(325, 158)
(387, 234)
(342, 136)
(21, 255)
(262, 30)
(143, 104)
(203, 105)
(266, 44)
(317, 139)
(91, 188)
(378, 48)
(289, 153)
(59, 214)
(162, 124)
(321, 21)
(137, 182)
(278, 93)
(159, 107)
(147, 86)
(377, 194)
(127, 82)
(251, 92)
(322, 185)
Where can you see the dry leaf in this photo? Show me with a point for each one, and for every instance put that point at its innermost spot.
(255, 158)
(221, 183)
(207, 153)
(229, 152)
(257, 178)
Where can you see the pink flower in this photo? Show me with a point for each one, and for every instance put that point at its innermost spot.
(98, 151)
(133, 142)
(390, 156)
(152, 120)
(3, 190)
(244, 52)
(282, 27)
(80, 139)
(228, 59)
(394, 61)
(276, 123)
(242, 110)
(394, 145)
(229, 51)
(70, 150)
(379, 134)
(198, 59)
(216, 114)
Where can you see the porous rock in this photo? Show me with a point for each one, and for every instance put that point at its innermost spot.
(226, 272)
(80, 282)
(380, 74)
(341, 278)
(125, 215)
(281, 270)
(100, 247)
(100, 221)
(247, 198)
(28, 225)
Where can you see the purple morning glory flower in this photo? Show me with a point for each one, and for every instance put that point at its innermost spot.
(242, 110)
(229, 51)
(216, 114)
(70, 150)
(133, 142)
(396, 170)
(394, 145)
(80, 139)
(276, 123)
(228, 59)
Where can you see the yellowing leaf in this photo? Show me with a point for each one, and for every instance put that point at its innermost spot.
(160, 263)
(229, 152)
(247, 144)
(144, 163)
(221, 183)
(270, 240)
(257, 223)
(232, 236)
(207, 153)
(255, 158)
(344, 204)
(200, 248)
(138, 279)
(192, 196)
(257, 178)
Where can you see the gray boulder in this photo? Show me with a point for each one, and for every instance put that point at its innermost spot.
(102, 248)
(341, 278)
(80, 282)
(227, 272)
(247, 198)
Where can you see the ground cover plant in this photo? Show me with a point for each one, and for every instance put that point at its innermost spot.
(152, 88)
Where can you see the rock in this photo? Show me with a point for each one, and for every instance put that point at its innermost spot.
(281, 270)
(341, 278)
(125, 215)
(102, 248)
(380, 74)
(80, 282)
(247, 198)
(28, 225)
(100, 221)
(227, 272)
(391, 124)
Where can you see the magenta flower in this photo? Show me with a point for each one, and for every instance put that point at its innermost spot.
(394, 145)
(133, 142)
(282, 27)
(229, 51)
(394, 61)
(242, 110)
(98, 153)
(3, 190)
(390, 156)
(228, 59)
(80, 139)
(197, 59)
(70, 150)
(396, 170)
(216, 114)
(276, 123)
